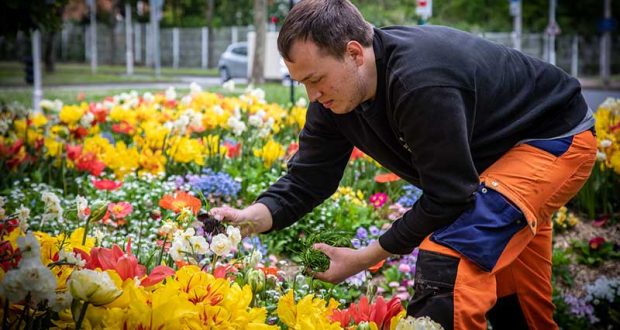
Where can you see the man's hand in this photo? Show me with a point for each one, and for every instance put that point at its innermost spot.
(346, 262)
(254, 219)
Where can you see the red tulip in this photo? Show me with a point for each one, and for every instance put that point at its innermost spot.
(157, 275)
(125, 264)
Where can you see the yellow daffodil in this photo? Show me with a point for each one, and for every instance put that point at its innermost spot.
(75, 241)
(270, 152)
(186, 150)
(52, 146)
(38, 120)
(71, 114)
(297, 117)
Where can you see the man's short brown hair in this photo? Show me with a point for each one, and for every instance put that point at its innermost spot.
(330, 24)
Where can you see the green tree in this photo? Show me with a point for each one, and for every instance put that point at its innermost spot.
(26, 15)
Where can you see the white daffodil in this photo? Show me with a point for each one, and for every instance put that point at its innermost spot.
(199, 245)
(419, 323)
(606, 143)
(229, 85)
(301, 102)
(221, 245)
(195, 88)
(171, 94)
(234, 234)
(23, 215)
(29, 246)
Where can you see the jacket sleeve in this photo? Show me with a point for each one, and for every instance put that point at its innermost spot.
(436, 123)
(314, 172)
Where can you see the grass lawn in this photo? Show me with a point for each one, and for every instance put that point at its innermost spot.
(273, 93)
(12, 74)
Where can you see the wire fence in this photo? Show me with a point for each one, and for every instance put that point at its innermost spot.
(190, 47)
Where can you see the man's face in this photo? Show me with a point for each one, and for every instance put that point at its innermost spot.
(335, 83)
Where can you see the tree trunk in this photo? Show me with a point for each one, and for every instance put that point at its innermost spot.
(260, 26)
(49, 53)
(210, 9)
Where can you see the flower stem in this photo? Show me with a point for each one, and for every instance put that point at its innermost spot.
(163, 247)
(85, 230)
(78, 324)
(6, 314)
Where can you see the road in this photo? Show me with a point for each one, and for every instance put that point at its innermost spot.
(594, 97)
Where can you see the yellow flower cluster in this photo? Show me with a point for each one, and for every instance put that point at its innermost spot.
(563, 219)
(608, 133)
(349, 195)
(190, 299)
(309, 313)
(150, 131)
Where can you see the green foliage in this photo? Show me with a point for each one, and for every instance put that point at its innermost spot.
(316, 261)
(20, 15)
(594, 253)
(562, 259)
(600, 194)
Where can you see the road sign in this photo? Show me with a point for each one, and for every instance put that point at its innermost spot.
(607, 25)
(424, 8)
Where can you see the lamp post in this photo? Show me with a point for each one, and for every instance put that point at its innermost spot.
(515, 12)
(291, 3)
(606, 26)
(93, 35)
(552, 30)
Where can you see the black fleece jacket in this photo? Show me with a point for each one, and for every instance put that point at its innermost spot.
(448, 105)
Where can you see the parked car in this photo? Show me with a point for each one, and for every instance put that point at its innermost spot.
(233, 62)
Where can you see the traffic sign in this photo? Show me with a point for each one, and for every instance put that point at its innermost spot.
(424, 8)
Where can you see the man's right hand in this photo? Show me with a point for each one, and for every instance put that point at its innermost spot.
(254, 219)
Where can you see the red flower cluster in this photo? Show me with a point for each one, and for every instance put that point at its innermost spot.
(379, 199)
(86, 162)
(107, 184)
(380, 312)
(233, 149)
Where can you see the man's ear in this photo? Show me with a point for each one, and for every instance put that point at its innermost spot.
(356, 51)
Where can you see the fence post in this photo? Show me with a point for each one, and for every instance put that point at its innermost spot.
(137, 40)
(175, 47)
(93, 36)
(128, 43)
(234, 36)
(574, 58)
(36, 68)
(204, 47)
(64, 41)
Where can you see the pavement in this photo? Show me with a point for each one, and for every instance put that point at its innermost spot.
(597, 84)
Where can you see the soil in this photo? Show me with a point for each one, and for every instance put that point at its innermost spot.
(583, 275)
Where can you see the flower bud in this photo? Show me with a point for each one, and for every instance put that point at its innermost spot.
(256, 279)
(98, 211)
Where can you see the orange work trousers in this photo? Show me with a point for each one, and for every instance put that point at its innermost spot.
(494, 262)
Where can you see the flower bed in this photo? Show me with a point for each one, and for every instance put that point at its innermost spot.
(104, 224)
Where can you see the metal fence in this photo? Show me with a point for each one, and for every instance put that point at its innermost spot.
(187, 47)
